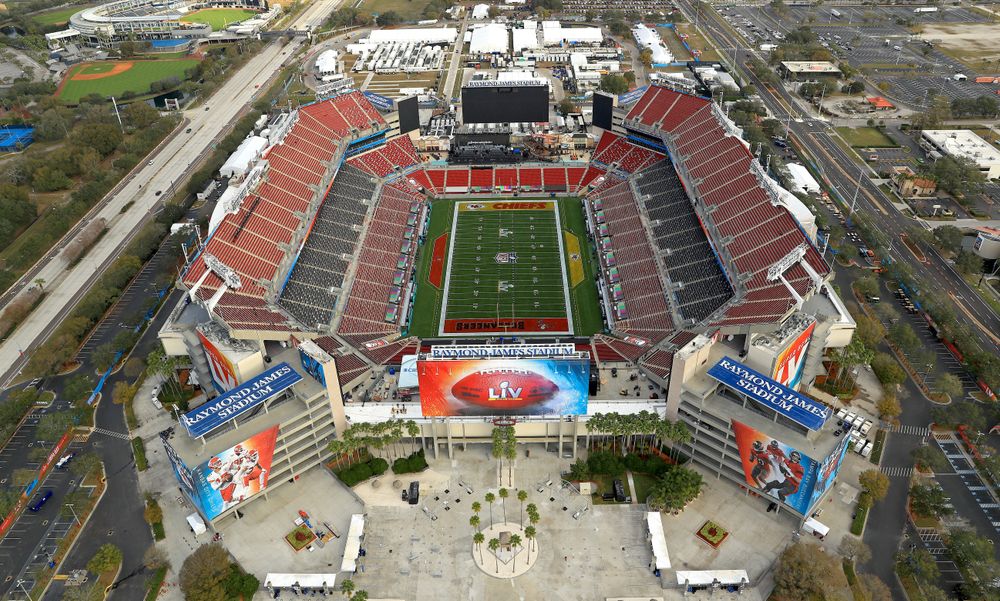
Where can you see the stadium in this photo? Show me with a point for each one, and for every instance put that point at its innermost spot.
(512, 293)
(108, 24)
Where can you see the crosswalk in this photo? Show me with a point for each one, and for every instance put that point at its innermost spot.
(112, 434)
(897, 472)
(911, 430)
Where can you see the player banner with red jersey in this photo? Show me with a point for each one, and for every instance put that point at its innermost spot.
(775, 468)
(504, 387)
(234, 475)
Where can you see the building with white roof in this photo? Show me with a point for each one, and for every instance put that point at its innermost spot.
(480, 11)
(489, 39)
(962, 143)
(430, 35)
(327, 63)
(804, 182)
(244, 157)
(647, 37)
(554, 34)
(525, 39)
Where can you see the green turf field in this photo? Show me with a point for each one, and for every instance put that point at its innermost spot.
(58, 16)
(218, 18)
(136, 79)
(546, 252)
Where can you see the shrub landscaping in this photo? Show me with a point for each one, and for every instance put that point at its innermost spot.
(713, 534)
(408, 465)
(300, 538)
(360, 472)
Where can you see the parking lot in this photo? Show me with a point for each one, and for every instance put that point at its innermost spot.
(878, 39)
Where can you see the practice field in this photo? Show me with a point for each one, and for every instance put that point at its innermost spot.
(218, 18)
(505, 267)
(114, 78)
(58, 16)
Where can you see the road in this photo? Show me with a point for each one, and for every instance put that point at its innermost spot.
(128, 209)
(843, 173)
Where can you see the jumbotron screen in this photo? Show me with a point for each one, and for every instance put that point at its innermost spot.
(512, 103)
(504, 387)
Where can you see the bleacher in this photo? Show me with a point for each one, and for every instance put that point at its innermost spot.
(394, 156)
(441, 181)
(691, 265)
(318, 276)
(614, 151)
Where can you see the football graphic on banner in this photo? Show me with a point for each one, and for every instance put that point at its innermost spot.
(504, 388)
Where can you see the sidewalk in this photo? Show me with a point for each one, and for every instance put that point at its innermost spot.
(159, 481)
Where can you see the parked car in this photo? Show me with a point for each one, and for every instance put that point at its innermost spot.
(37, 505)
(64, 460)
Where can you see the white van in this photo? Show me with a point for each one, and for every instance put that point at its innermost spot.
(867, 451)
(859, 444)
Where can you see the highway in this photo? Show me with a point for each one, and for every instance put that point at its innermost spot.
(841, 170)
(165, 171)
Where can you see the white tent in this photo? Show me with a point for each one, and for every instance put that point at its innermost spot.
(525, 39)
(661, 559)
(804, 181)
(647, 37)
(244, 157)
(328, 62)
(311, 581)
(353, 547)
(554, 34)
(480, 11)
(430, 35)
(489, 39)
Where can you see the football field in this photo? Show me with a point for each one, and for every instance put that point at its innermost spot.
(506, 272)
(505, 267)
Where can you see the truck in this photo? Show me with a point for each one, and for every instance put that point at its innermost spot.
(767, 47)
(925, 9)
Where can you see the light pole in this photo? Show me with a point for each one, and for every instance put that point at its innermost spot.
(856, 190)
(20, 584)
(73, 511)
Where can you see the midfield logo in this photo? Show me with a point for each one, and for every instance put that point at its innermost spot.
(505, 258)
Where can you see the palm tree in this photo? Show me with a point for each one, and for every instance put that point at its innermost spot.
(494, 545)
(474, 522)
(478, 539)
(347, 587)
(510, 453)
(503, 499)
(533, 516)
(413, 430)
(522, 496)
(476, 507)
(40, 282)
(529, 533)
(497, 452)
(515, 542)
(490, 497)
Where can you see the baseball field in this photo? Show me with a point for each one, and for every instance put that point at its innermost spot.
(114, 78)
(218, 18)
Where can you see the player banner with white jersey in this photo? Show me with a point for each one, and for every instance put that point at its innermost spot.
(234, 475)
(775, 468)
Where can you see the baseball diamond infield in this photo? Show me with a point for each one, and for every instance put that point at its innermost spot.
(114, 78)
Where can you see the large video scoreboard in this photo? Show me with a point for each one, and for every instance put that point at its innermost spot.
(521, 101)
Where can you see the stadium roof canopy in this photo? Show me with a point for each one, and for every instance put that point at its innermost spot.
(489, 39)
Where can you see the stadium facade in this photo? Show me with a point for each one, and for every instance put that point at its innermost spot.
(108, 24)
(700, 260)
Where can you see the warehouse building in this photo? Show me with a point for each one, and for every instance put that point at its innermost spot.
(962, 143)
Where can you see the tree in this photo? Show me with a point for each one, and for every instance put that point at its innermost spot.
(566, 106)
(930, 458)
(389, 17)
(123, 392)
(677, 487)
(515, 542)
(140, 115)
(494, 546)
(530, 533)
(474, 522)
(504, 493)
(877, 589)
(103, 357)
(153, 513)
(490, 497)
(888, 407)
(613, 84)
(478, 539)
(361, 595)
(887, 370)
(958, 175)
(869, 330)
(874, 483)
(78, 388)
(938, 111)
(85, 592)
(854, 549)
(494, 11)
(155, 558)
(347, 587)
(49, 179)
(918, 563)
(975, 554)
(52, 426)
(969, 263)
(948, 237)
(85, 464)
(929, 500)
(646, 57)
(903, 336)
(522, 496)
(102, 137)
(949, 385)
(107, 558)
(867, 286)
(204, 572)
(805, 571)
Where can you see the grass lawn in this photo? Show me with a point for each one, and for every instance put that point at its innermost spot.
(713, 534)
(218, 18)
(136, 79)
(58, 17)
(409, 10)
(866, 137)
(697, 42)
(300, 538)
(643, 484)
(603, 483)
